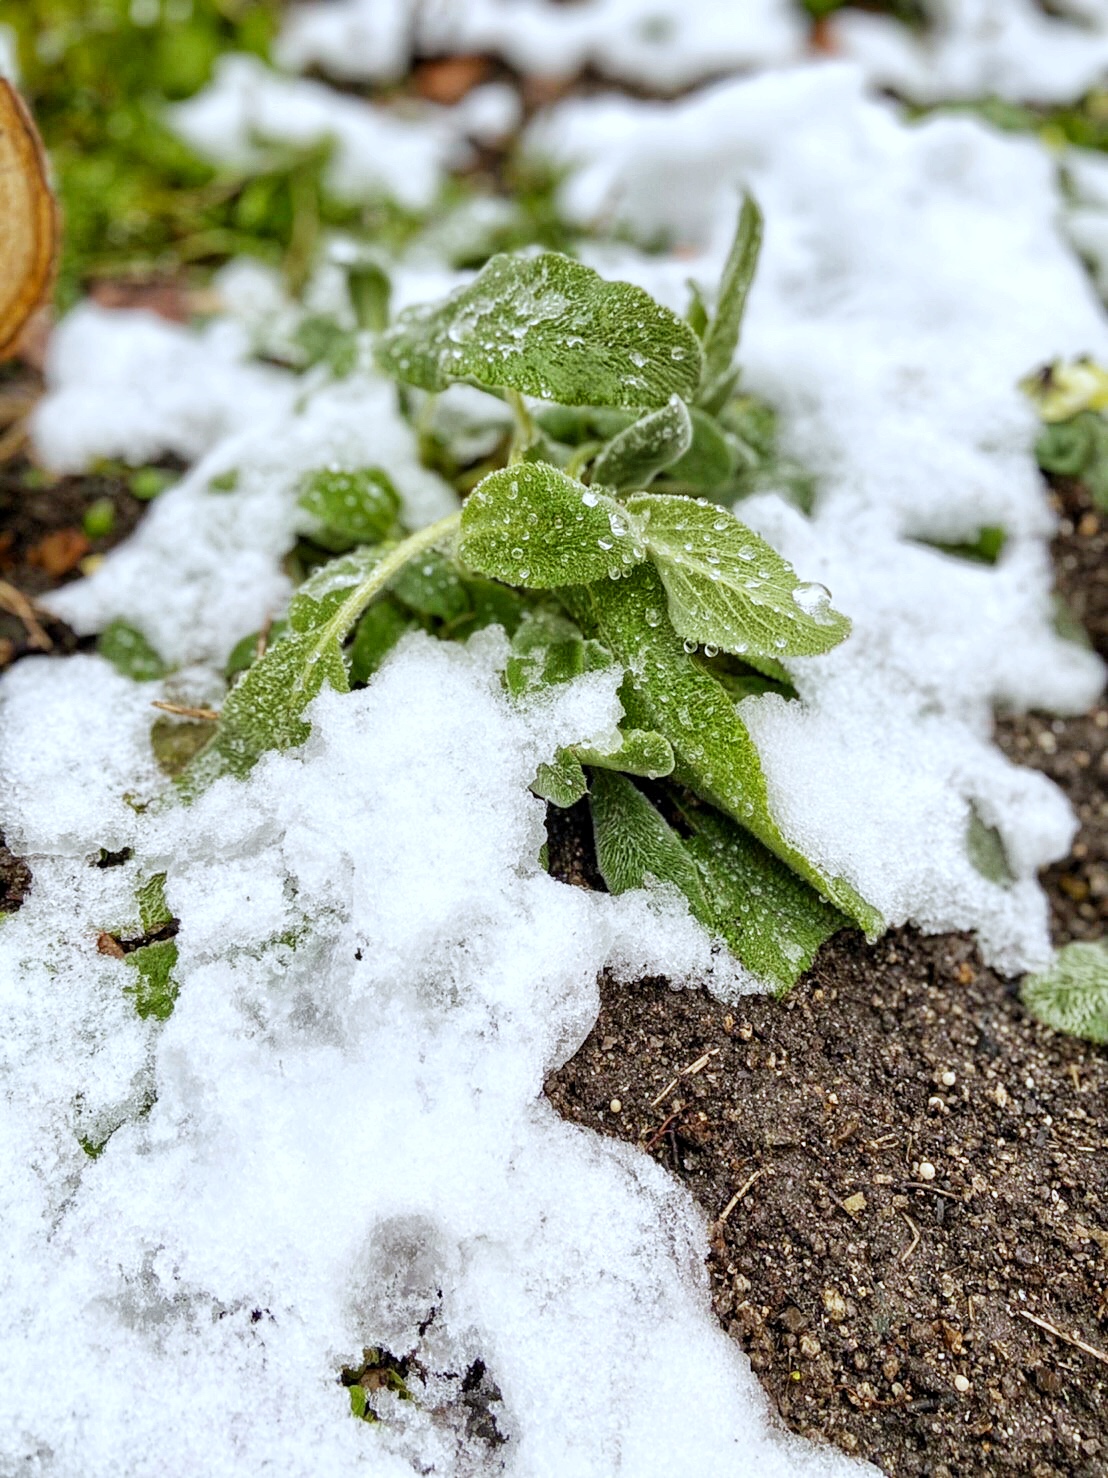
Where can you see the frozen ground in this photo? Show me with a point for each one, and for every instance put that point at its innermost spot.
(338, 1139)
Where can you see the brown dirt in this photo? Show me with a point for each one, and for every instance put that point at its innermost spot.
(901, 1170)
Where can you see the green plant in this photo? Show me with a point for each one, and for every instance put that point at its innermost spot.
(598, 545)
(1072, 996)
(1072, 400)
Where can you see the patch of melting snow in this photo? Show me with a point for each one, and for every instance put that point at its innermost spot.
(338, 1141)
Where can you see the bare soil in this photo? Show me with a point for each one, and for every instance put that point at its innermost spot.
(904, 1175)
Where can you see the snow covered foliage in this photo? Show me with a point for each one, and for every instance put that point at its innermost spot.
(275, 1036)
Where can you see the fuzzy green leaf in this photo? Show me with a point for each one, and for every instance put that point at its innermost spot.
(155, 989)
(709, 461)
(130, 653)
(531, 525)
(985, 847)
(562, 781)
(634, 843)
(772, 920)
(358, 507)
(547, 649)
(721, 339)
(654, 441)
(432, 586)
(245, 651)
(264, 711)
(639, 752)
(666, 690)
(154, 911)
(370, 293)
(380, 628)
(1072, 996)
(549, 327)
(727, 587)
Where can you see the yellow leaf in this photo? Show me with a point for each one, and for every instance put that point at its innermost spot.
(28, 220)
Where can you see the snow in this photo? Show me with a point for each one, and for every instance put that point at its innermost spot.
(348, 1133)
(338, 1139)
(248, 109)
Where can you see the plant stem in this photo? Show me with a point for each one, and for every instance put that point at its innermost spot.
(389, 567)
(525, 425)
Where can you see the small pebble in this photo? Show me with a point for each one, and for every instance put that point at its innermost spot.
(926, 1170)
(961, 1384)
(948, 1079)
(616, 1106)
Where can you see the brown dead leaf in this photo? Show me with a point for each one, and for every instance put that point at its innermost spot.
(28, 220)
(448, 79)
(59, 552)
(107, 944)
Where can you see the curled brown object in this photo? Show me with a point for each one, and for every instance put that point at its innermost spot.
(28, 220)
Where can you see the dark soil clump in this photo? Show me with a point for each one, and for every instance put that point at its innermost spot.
(904, 1175)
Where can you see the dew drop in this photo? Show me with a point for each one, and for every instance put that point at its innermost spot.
(710, 650)
(589, 499)
(517, 552)
(605, 544)
(689, 645)
(652, 616)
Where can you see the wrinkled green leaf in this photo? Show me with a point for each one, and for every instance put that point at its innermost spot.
(370, 293)
(667, 691)
(379, 630)
(324, 340)
(985, 847)
(1078, 448)
(639, 752)
(696, 314)
(245, 652)
(573, 424)
(727, 587)
(654, 441)
(154, 910)
(1072, 996)
(490, 604)
(177, 742)
(264, 710)
(356, 507)
(130, 653)
(550, 327)
(432, 585)
(634, 843)
(772, 920)
(561, 781)
(721, 338)
(531, 525)
(155, 989)
(984, 549)
(548, 649)
(709, 461)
